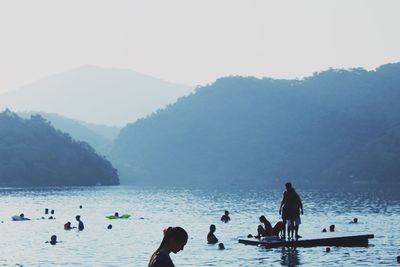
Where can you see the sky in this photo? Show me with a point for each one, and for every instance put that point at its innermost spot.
(195, 42)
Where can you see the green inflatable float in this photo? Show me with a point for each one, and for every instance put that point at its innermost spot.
(116, 216)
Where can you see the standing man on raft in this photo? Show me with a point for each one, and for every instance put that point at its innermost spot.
(290, 208)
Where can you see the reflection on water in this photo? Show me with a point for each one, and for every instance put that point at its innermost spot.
(290, 257)
(131, 241)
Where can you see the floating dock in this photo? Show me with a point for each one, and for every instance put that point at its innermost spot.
(339, 239)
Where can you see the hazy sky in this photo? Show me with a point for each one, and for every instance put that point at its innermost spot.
(195, 42)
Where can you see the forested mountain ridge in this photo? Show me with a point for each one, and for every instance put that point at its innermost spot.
(33, 153)
(246, 130)
(100, 137)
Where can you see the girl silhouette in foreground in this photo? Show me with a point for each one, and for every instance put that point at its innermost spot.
(175, 239)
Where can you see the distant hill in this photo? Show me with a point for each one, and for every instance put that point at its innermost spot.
(96, 95)
(33, 153)
(100, 137)
(335, 127)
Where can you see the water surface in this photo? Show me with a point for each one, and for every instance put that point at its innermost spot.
(131, 242)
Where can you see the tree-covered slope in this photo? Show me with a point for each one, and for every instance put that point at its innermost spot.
(33, 153)
(259, 131)
(100, 137)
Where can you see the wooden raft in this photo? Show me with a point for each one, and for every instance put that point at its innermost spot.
(342, 239)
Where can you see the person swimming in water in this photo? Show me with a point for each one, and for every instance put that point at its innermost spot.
(211, 238)
(68, 226)
(225, 218)
(80, 223)
(175, 239)
(53, 240)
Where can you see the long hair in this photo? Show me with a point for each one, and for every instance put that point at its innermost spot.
(175, 233)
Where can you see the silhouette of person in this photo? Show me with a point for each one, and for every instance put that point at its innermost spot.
(67, 226)
(52, 212)
(46, 211)
(332, 228)
(355, 220)
(21, 217)
(221, 246)
(211, 238)
(53, 240)
(265, 229)
(290, 208)
(109, 226)
(80, 223)
(175, 239)
(225, 218)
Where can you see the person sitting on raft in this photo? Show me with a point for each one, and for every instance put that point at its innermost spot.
(266, 229)
(211, 238)
(225, 218)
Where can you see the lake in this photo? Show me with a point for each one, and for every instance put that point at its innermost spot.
(131, 241)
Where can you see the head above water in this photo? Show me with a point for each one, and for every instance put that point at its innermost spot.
(221, 246)
(22, 215)
(212, 228)
(53, 238)
(175, 239)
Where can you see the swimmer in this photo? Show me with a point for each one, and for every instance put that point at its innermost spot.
(225, 218)
(355, 220)
(174, 240)
(53, 240)
(80, 223)
(67, 226)
(211, 238)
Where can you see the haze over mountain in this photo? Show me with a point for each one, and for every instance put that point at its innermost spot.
(95, 95)
(335, 127)
(100, 137)
(33, 153)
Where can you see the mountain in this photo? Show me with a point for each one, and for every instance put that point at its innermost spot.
(95, 95)
(335, 127)
(100, 137)
(33, 153)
